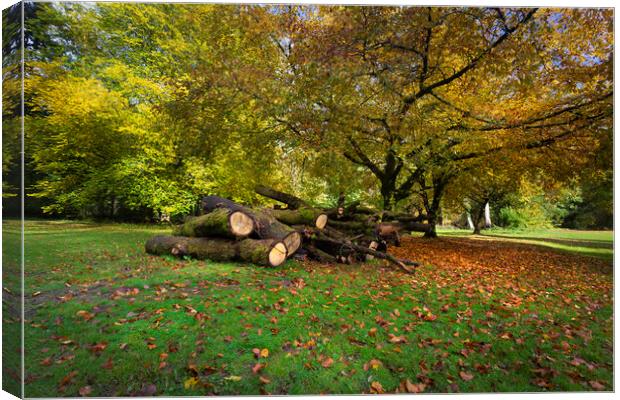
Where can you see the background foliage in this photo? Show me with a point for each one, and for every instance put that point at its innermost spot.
(135, 110)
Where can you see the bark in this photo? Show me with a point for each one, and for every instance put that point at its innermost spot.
(356, 227)
(265, 225)
(341, 200)
(220, 222)
(301, 216)
(470, 222)
(319, 255)
(402, 264)
(479, 217)
(487, 215)
(269, 252)
(293, 202)
(408, 226)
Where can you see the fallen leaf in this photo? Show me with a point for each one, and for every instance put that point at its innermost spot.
(466, 376)
(327, 362)
(264, 353)
(376, 388)
(264, 380)
(414, 387)
(67, 379)
(397, 339)
(233, 378)
(596, 385)
(108, 364)
(85, 391)
(374, 364)
(190, 382)
(98, 347)
(257, 367)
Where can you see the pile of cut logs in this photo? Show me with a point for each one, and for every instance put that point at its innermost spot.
(227, 231)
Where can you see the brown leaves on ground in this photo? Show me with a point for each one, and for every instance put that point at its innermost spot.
(327, 362)
(85, 391)
(466, 376)
(376, 388)
(407, 386)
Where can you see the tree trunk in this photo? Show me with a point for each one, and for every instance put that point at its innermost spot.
(265, 225)
(220, 222)
(269, 252)
(470, 222)
(487, 215)
(432, 232)
(301, 216)
(479, 218)
(293, 202)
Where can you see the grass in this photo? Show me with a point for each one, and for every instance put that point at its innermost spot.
(589, 243)
(109, 320)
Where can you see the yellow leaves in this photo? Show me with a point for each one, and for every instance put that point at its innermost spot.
(264, 353)
(190, 382)
(233, 378)
(372, 364)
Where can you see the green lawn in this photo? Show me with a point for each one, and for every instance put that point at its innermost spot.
(106, 319)
(591, 243)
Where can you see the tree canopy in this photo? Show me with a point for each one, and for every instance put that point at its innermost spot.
(137, 109)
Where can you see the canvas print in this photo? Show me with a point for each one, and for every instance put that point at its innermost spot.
(295, 199)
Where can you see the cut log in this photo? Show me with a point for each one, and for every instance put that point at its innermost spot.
(293, 202)
(269, 252)
(402, 264)
(220, 222)
(302, 216)
(319, 255)
(265, 225)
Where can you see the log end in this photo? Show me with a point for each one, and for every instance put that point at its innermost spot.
(241, 224)
(277, 254)
(292, 242)
(321, 221)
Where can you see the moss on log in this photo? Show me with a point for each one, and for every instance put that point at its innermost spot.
(269, 252)
(220, 222)
(266, 226)
(293, 202)
(302, 216)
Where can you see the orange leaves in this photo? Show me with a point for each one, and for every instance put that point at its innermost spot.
(376, 388)
(85, 315)
(67, 380)
(327, 362)
(85, 391)
(98, 347)
(47, 361)
(258, 353)
(108, 364)
(396, 339)
(372, 364)
(466, 376)
(408, 387)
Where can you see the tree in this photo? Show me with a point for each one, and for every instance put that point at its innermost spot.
(414, 94)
